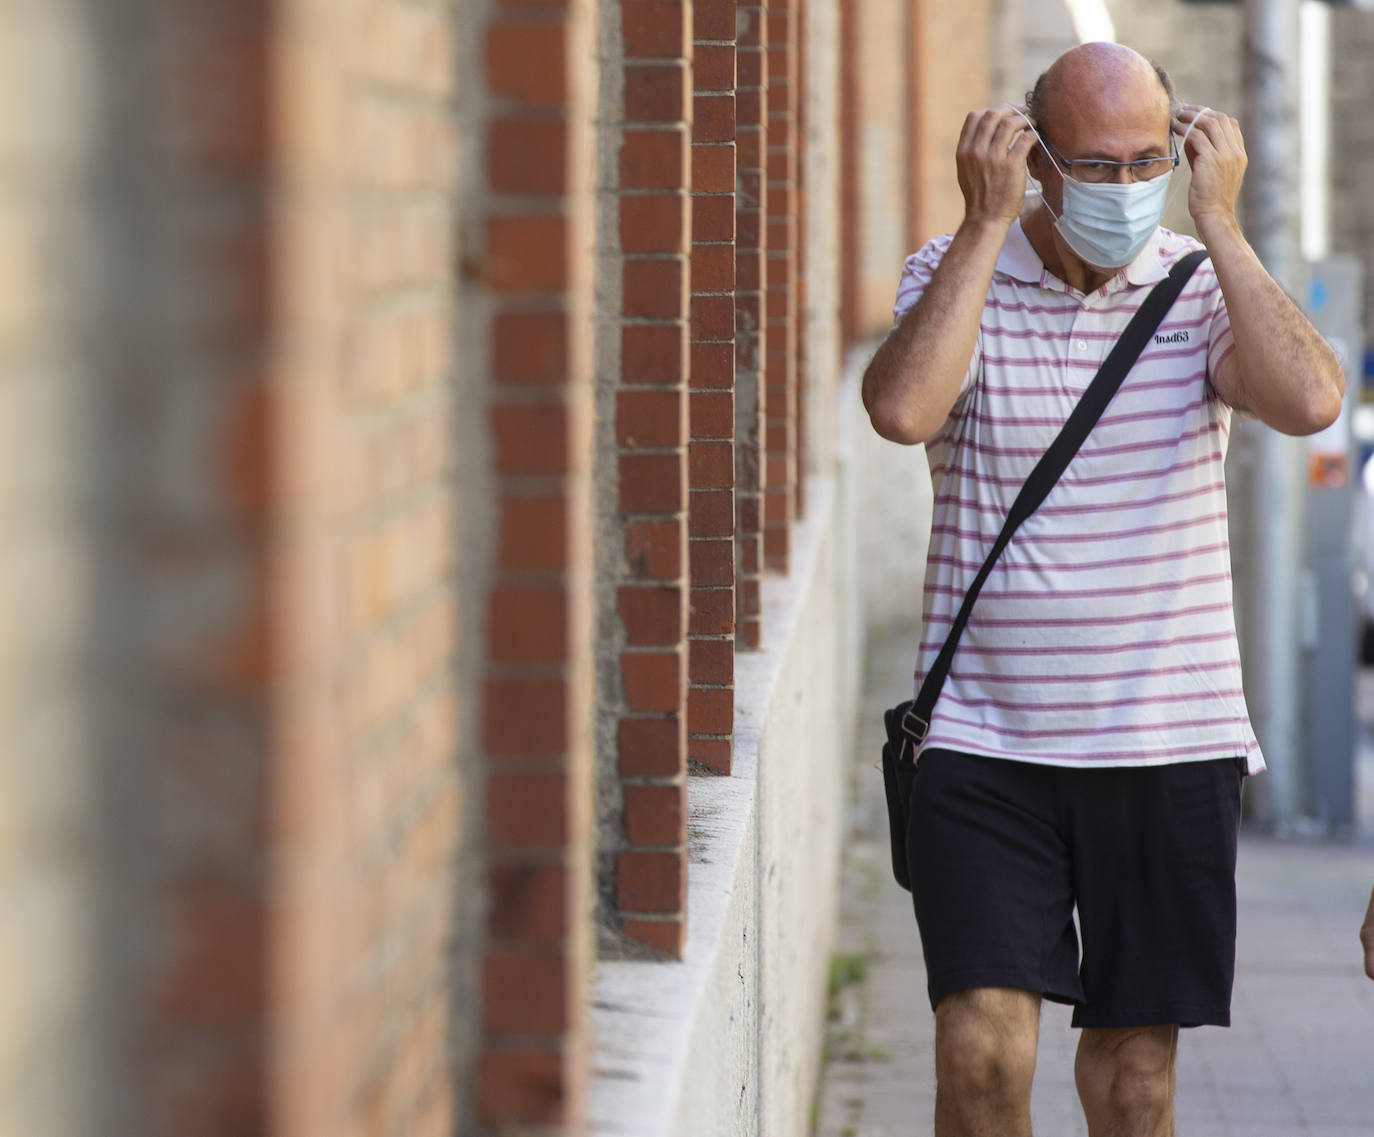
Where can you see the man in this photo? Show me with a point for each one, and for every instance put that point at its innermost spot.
(1087, 751)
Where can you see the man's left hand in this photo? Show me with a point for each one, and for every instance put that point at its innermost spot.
(1216, 154)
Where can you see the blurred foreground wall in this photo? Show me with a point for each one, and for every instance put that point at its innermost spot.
(427, 497)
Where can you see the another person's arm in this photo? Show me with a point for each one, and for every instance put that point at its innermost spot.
(1282, 371)
(1367, 937)
(914, 378)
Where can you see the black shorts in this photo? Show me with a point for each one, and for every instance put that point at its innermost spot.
(1003, 852)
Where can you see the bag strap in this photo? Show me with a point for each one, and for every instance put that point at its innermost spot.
(1109, 377)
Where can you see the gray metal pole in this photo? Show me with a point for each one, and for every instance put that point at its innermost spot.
(1269, 467)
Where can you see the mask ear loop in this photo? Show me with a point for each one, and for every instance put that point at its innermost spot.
(1183, 155)
(1045, 146)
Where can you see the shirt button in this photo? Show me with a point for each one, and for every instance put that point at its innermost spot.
(1082, 345)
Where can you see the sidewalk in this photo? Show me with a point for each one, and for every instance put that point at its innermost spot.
(1298, 1058)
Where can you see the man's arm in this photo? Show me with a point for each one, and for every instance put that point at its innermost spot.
(914, 378)
(1367, 937)
(1282, 371)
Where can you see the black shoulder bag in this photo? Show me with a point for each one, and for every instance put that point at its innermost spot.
(908, 722)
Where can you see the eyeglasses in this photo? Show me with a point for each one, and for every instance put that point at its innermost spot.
(1096, 170)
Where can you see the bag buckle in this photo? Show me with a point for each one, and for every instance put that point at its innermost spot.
(915, 727)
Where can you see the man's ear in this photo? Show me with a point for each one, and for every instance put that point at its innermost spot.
(1035, 161)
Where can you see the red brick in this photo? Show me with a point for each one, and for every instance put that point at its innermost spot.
(656, 815)
(713, 563)
(652, 483)
(776, 547)
(533, 535)
(214, 978)
(711, 661)
(747, 593)
(713, 118)
(651, 882)
(654, 223)
(652, 419)
(713, 270)
(653, 354)
(666, 936)
(749, 558)
(654, 29)
(713, 67)
(528, 62)
(712, 414)
(527, 254)
(523, 1087)
(713, 169)
(749, 59)
(525, 994)
(713, 19)
(654, 159)
(656, 92)
(713, 366)
(749, 193)
(711, 612)
(711, 465)
(713, 317)
(530, 347)
(749, 635)
(710, 710)
(510, 724)
(651, 747)
(527, 156)
(748, 233)
(529, 903)
(653, 680)
(531, 439)
(527, 811)
(714, 753)
(750, 104)
(656, 550)
(713, 217)
(654, 289)
(711, 513)
(652, 616)
(528, 625)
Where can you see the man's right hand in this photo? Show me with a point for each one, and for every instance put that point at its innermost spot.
(991, 162)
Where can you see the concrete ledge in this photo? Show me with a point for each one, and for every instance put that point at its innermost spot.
(727, 1041)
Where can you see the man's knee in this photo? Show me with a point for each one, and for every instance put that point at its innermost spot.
(985, 1042)
(1127, 1074)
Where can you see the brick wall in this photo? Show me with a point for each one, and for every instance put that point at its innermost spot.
(537, 709)
(711, 512)
(652, 412)
(367, 799)
(751, 332)
(410, 401)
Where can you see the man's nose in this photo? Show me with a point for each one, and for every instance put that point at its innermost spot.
(1122, 174)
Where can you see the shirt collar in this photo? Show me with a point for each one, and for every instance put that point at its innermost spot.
(1019, 260)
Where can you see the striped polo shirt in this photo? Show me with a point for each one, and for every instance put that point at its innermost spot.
(1104, 635)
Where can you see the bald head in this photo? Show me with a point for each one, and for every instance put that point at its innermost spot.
(1100, 83)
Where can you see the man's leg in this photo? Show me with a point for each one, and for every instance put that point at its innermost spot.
(1125, 1079)
(985, 1044)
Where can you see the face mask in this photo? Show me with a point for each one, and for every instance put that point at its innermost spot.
(1106, 224)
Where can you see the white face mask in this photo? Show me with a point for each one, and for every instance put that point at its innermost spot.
(1107, 224)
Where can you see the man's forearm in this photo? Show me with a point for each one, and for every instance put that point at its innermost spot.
(1284, 372)
(913, 379)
